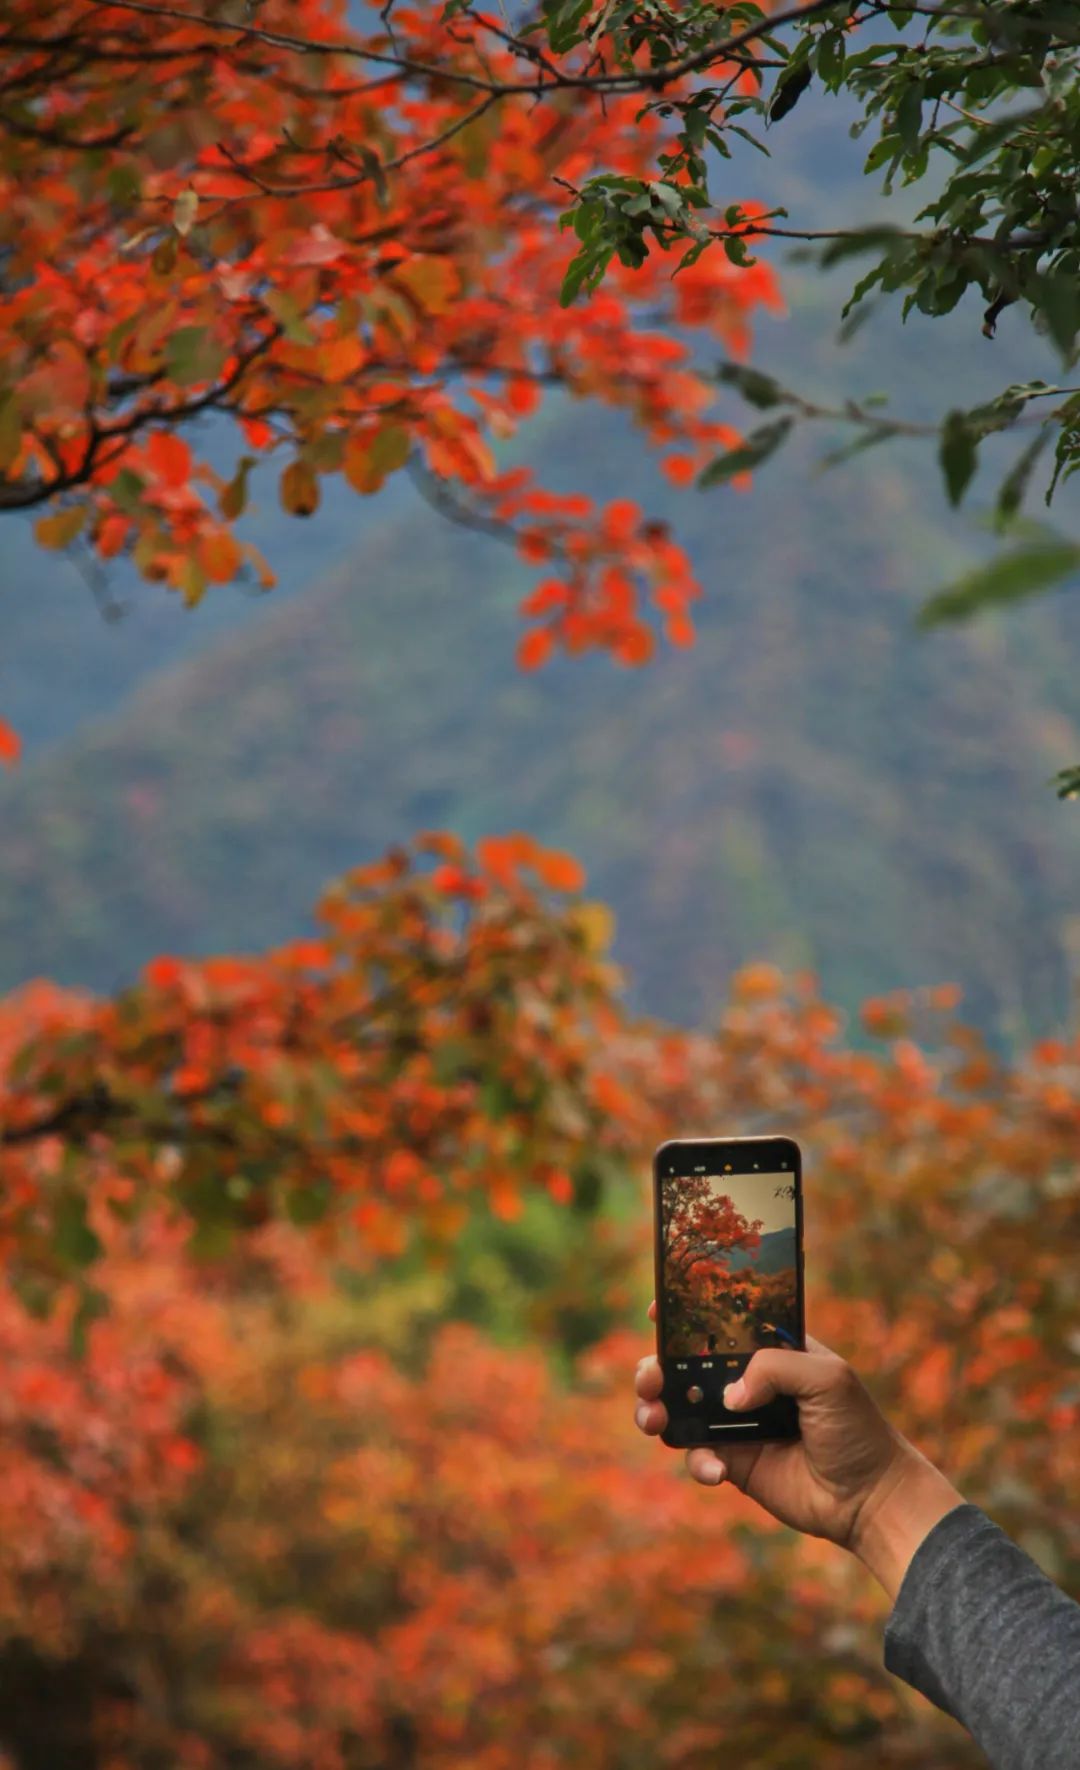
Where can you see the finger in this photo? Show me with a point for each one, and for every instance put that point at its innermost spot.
(739, 1460)
(705, 1466)
(649, 1378)
(650, 1417)
(813, 1345)
(652, 1310)
(772, 1373)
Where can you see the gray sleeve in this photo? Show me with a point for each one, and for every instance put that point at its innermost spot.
(979, 1629)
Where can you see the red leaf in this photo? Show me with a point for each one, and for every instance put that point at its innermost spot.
(535, 648)
(10, 745)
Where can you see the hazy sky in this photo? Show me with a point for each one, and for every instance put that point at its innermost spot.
(752, 1194)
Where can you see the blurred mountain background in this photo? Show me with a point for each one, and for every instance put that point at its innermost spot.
(817, 782)
(775, 1253)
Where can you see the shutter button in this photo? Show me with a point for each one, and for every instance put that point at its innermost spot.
(695, 1393)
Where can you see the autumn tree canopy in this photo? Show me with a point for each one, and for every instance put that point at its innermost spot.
(344, 242)
(275, 1508)
(371, 238)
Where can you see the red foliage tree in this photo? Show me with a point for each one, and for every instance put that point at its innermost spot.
(702, 1229)
(259, 1521)
(342, 238)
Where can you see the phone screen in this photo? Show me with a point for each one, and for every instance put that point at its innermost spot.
(729, 1279)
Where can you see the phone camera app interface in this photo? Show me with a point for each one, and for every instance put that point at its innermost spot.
(730, 1272)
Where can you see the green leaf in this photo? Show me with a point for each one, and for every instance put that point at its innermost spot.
(789, 89)
(564, 19)
(192, 355)
(1026, 571)
(232, 501)
(862, 239)
(830, 57)
(909, 115)
(1067, 782)
(73, 1239)
(309, 1204)
(497, 1097)
(958, 454)
(760, 390)
(391, 449)
(126, 491)
(1016, 482)
(691, 256)
(92, 1305)
(289, 316)
(210, 1239)
(758, 446)
(584, 271)
(868, 440)
(737, 129)
(123, 184)
(1057, 298)
(37, 1296)
(736, 251)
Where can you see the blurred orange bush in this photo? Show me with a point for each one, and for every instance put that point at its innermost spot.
(271, 1518)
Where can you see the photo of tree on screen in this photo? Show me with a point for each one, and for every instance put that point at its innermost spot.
(729, 1257)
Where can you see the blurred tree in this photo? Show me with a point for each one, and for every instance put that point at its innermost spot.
(283, 1509)
(445, 1040)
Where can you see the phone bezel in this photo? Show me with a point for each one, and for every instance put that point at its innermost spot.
(710, 1149)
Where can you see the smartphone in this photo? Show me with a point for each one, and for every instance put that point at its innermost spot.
(729, 1279)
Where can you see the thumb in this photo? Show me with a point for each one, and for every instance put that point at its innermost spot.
(772, 1373)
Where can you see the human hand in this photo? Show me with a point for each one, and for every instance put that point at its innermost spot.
(850, 1477)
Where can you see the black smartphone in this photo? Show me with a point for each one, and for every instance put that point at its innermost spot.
(729, 1279)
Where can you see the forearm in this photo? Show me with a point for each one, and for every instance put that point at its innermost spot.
(976, 1626)
(894, 1522)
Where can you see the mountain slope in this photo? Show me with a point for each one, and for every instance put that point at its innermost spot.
(775, 1253)
(814, 781)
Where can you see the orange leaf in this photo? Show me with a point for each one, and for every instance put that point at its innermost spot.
(169, 457)
(341, 357)
(561, 872)
(220, 556)
(299, 489)
(756, 982)
(432, 282)
(505, 1199)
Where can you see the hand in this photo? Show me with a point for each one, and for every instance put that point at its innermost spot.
(851, 1477)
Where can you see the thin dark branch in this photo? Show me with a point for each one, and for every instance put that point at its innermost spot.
(100, 435)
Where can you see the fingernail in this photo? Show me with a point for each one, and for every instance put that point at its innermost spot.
(713, 1475)
(735, 1394)
(641, 1414)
